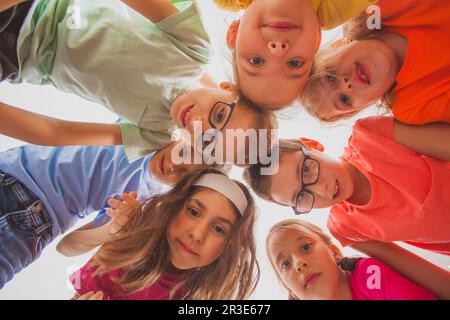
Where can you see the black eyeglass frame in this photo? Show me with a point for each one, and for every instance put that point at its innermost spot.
(232, 105)
(305, 185)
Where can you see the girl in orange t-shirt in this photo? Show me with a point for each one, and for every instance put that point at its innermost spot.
(391, 184)
(405, 65)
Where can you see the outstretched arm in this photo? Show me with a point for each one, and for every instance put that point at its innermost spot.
(84, 239)
(154, 10)
(6, 4)
(409, 265)
(38, 129)
(429, 139)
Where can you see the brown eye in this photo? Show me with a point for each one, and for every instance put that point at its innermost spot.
(193, 212)
(345, 99)
(219, 230)
(285, 265)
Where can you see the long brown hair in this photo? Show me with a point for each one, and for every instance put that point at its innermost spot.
(324, 65)
(142, 250)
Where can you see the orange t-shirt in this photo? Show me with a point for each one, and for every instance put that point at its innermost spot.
(422, 94)
(410, 193)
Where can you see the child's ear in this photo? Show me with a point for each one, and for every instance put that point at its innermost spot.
(337, 253)
(232, 34)
(229, 86)
(312, 144)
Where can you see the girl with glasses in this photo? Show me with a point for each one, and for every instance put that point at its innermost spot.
(391, 184)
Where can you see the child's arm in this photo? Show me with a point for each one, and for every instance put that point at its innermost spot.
(90, 236)
(154, 10)
(38, 129)
(409, 265)
(84, 239)
(6, 4)
(430, 139)
(89, 296)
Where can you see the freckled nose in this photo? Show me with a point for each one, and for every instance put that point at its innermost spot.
(278, 48)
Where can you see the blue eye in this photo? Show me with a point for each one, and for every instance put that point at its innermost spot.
(295, 63)
(306, 247)
(256, 61)
(345, 99)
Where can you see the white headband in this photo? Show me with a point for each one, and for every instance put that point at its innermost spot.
(225, 186)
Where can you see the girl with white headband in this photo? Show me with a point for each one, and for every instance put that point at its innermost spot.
(194, 242)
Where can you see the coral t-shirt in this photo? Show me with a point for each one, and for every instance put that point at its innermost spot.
(410, 193)
(374, 280)
(84, 281)
(422, 93)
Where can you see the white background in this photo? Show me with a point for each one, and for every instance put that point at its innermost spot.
(47, 277)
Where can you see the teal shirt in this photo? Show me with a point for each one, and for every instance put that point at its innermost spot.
(107, 53)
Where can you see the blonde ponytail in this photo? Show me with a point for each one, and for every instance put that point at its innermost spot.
(232, 5)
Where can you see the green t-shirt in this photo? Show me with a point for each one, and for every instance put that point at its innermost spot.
(105, 52)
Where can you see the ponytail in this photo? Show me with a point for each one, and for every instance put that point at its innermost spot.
(348, 263)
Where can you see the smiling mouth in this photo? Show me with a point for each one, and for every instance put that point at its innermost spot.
(362, 74)
(336, 189)
(161, 165)
(184, 115)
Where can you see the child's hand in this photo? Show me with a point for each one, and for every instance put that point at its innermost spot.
(90, 296)
(121, 211)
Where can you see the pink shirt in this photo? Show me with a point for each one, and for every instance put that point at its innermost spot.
(374, 280)
(410, 193)
(84, 281)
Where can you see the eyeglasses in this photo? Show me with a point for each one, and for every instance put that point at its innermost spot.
(218, 118)
(309, 175)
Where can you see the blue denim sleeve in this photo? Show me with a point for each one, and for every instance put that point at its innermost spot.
(101, 219)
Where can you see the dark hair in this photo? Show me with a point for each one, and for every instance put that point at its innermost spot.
(260, 184)
(348, 263)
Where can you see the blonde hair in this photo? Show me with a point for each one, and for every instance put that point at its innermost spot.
(142, 250)
(324, 65)
(232, 5)
(345, 263)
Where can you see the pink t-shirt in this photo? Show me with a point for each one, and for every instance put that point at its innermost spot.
(410, 193)
(84, 281)
(374, 280)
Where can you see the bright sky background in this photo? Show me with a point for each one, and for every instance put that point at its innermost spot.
(47, 277)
